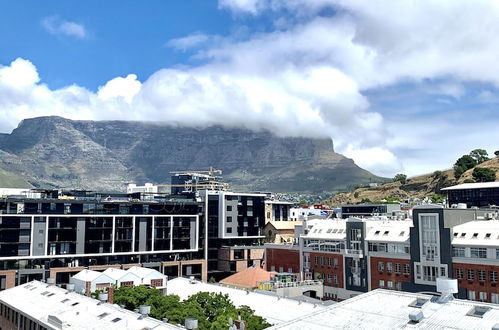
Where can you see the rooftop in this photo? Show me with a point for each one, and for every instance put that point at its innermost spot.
(283, 225)
(389, 231)
(480, 185)
(276, 310)
(327, 229)
(482, 233)
(248, 278)
(42, 302)
(385, 309)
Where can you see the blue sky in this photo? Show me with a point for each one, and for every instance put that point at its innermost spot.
(408, 88)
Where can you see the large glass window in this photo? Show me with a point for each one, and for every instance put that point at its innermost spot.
(429, 236)
(459, 252)
(478, 252)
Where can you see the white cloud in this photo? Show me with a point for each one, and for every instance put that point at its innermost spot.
(192, 40)
(306, 78)
(55, 25)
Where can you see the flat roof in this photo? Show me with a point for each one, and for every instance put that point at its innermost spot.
(274, 309)
(386, 309)
(480, 185)
(40, 301)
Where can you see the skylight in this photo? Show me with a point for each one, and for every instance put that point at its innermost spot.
(487, 236)
(335, 231)
(478, 311)
(103, 315)
(463, 234)
(377, 232)
(455, 234)
(475, 235)
(386, 233)
(402, 233)
(116, 320)
(329, 230)
(418, 303)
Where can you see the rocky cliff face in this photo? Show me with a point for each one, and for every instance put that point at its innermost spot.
(104, 155)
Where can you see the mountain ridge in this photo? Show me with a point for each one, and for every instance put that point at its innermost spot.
(105, 155)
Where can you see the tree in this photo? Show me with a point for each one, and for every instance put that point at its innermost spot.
(480, 155)
(496, 153)
(482, 174)
(463, 164)
(402, 178)
(212, 310)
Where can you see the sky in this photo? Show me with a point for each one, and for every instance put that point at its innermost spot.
(400, 86)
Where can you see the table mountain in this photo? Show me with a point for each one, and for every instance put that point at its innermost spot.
(105, 155)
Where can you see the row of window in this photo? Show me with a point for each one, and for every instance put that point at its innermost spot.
(474, 252)
(388, 247)
(331, 262)
(396, 268)
(483, 296)
(390, 285)
(480, 275)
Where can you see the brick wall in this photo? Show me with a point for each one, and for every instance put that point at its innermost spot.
(10, 278)
(389, 272)
(284, 258)
(328, 265)
(476, 284)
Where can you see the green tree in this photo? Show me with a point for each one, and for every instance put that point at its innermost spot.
(437, 198)
(402, 178)
(480, 155)
(303, 203)
(463, 164)
(482, 174)
(496, 153)
(133, 297)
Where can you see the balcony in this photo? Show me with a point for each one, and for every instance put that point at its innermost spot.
(352, 253)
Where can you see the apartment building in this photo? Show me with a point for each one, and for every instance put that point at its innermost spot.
(358, 255)
(60, 233)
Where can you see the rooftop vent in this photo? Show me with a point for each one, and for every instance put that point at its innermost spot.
(70, 287)
(416, 316)
(191, 323)
(103, 297)
(447, 287)
(144, 310)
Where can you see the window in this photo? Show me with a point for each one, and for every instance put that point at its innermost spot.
(430, 273)
(497, 253)
(329, 262)
(388, 267)
(389, 285)
(443, 273)
(471, 295)
(478, 252)
(487, 236)
(316, 260)
(229, 218)
(458, 252)
(377, 232)
(463, 235)
(481, 275)
(381, 283)
(156, 283)
(475, 235)
(126, 283)
(381, 266)
(471, 274)
(407, 269)
(329, 278)
(494, 298)
(429, 236)
(229, 230)
(483, 296)
(459, 273)
(335, 262)
(455, 234)
(335, 279)
(386, 233)
(322, 261)
(493, 276)
(397, 268)
(229, 208)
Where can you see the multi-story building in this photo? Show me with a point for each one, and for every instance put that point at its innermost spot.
(277, 210)
(235, 222)
(357, 255)
(483, 194)
(368, 210)
(61, 233)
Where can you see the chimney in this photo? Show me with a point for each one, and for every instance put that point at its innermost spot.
(110, 294)
(87, 288)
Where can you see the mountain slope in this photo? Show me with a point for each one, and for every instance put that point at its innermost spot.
(53, 151)
(419, 186)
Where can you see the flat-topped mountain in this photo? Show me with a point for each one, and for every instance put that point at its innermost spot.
(105, 155)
